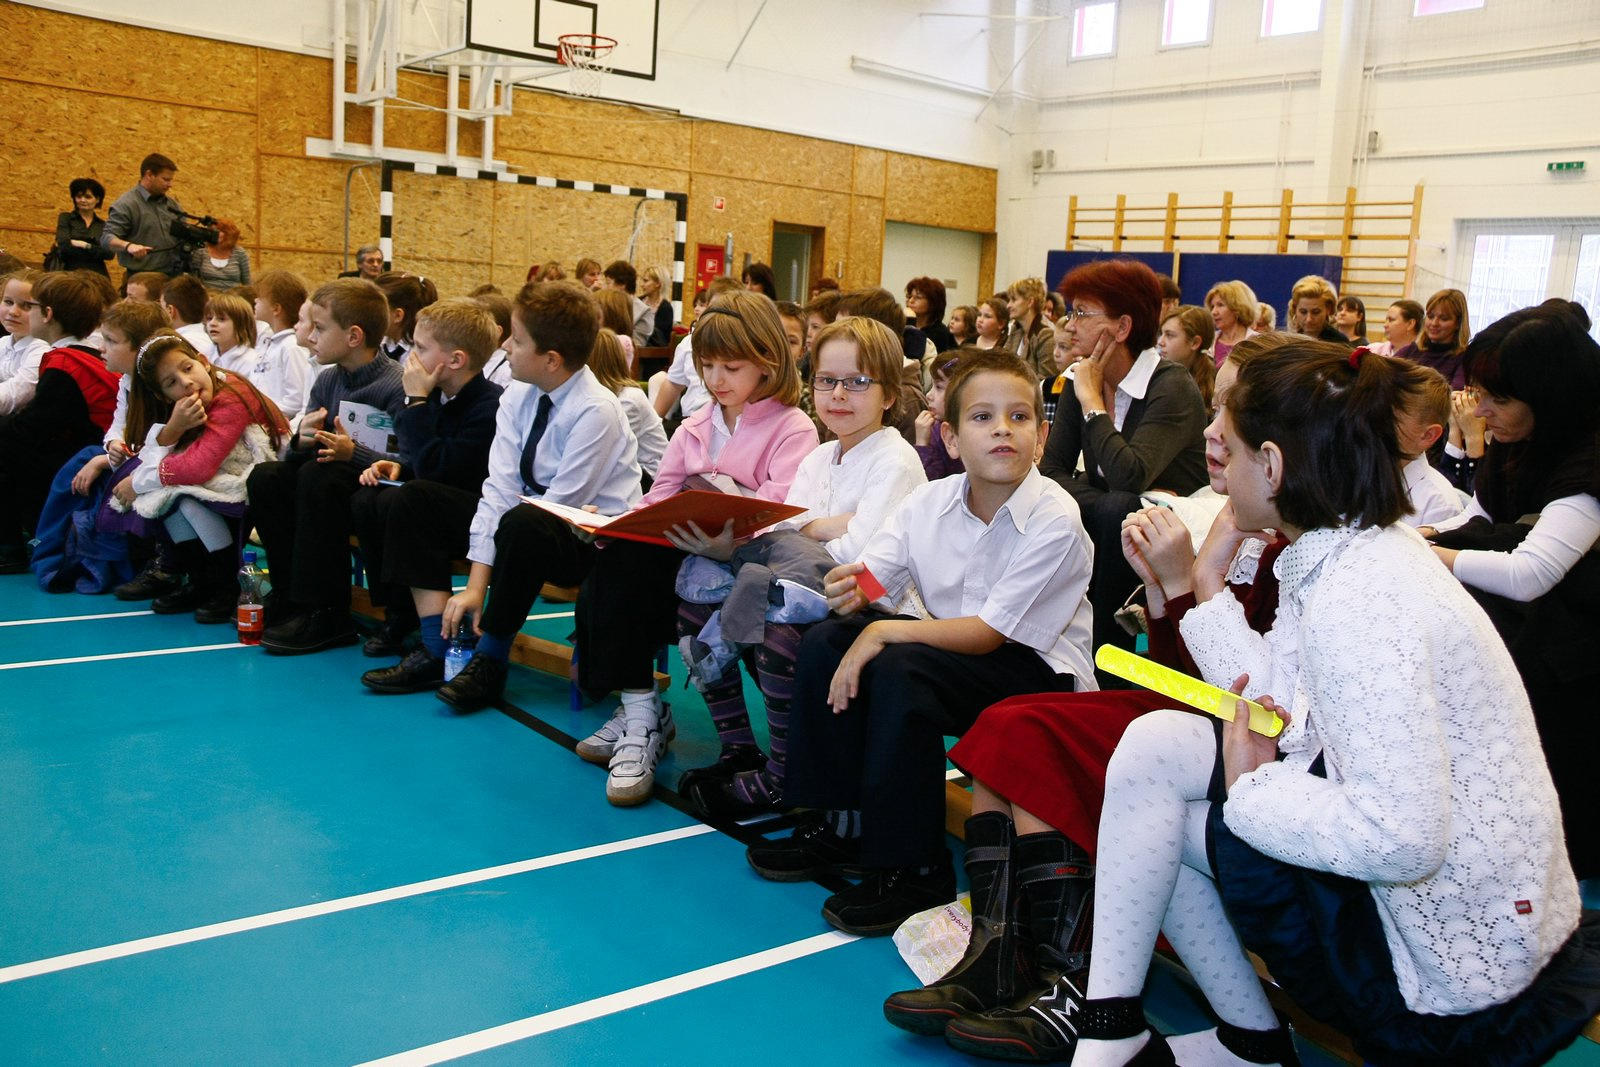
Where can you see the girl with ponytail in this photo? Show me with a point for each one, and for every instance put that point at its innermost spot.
(1395, 854)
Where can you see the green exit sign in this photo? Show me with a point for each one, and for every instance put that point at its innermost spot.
(1575, 164)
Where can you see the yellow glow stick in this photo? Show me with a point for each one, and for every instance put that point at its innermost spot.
(1179, 686)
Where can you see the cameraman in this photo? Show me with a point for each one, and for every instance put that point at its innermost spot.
(139, 225)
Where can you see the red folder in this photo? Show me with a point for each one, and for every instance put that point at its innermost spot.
(710, 511)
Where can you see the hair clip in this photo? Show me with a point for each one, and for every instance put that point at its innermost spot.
(1356, 354)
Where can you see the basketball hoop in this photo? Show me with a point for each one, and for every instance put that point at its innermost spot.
(588, 54)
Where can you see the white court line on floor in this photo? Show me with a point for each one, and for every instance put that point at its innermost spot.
(552, 615)
(19, 971)
(120, 655)
(534, 1025)
(77, 618)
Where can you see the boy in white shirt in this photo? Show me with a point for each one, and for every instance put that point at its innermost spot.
(1418, 426)
(184, 300)
(1002, 564)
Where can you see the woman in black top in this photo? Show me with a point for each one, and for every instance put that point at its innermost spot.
(78, 231)
(925, 302)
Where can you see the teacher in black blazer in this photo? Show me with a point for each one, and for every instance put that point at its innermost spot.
(1133, 418)
(78, 231)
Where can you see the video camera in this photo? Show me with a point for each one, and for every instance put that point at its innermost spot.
(191, 231)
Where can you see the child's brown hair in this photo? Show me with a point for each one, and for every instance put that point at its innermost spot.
(283, 288)
(153, 281)
(355, 302)
(185, 295)
(237, 310)
(138, 321)
(75, 303)
(616, 311)
(498, 305)
(879, 353)
(560, 317)
(989, 361)
(408, 293)
(462, 324)
(745, 326)
(609, 364)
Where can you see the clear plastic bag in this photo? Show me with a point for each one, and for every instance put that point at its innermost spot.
(933, 941)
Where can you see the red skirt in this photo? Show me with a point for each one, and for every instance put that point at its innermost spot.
(1047, 753)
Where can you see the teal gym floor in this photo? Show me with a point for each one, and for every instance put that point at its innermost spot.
(210, 855)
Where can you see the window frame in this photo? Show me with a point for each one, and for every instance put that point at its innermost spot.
(1166, 19)
(1266, 8)
(1116, 13)
(1479, 6)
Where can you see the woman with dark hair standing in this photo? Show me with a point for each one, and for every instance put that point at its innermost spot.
(1136, 419)
(78, 231)
(1535, 374)
(925, 302)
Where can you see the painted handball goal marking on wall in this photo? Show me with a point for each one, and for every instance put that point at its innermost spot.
(680, 203)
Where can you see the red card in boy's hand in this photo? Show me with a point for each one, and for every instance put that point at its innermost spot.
(870, 587)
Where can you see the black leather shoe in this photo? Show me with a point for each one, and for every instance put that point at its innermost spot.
(719, 800)
(481, 682)
(390, 638)
(885, 899)
(149, 584)
(181, 600)
(811, 851)
(222, 606)
(13, 559)
(420, 671)
(314, 631)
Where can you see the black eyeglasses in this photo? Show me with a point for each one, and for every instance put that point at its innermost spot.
(860, 383)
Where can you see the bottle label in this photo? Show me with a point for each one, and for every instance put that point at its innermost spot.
(250, 616)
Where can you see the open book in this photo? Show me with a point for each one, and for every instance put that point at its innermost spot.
(710, 511)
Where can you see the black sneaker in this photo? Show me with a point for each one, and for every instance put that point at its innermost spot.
(314, 631)
(149, 584)
(14, 559)
(730, 763)
(811, 851)
(417, 673)
(885, 899)
(721, 800)
(479, 685)
(391, 638)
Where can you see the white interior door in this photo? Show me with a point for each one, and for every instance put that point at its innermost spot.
(1513, 263)
(952, 256)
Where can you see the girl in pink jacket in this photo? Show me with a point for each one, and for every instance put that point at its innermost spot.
(750, 441)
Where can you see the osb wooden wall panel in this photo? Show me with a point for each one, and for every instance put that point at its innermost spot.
(930, 192)
(778, 158)
(871, 169)
(109, 135)
(986, 262)
(864, 264)
(59, 49)
(236, 119)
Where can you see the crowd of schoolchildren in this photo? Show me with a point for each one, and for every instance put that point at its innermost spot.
(1392, 548)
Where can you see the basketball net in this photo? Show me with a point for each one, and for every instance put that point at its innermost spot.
(589, 57)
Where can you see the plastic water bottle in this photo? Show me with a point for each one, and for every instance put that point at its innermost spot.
(250, 596)
(458, 652)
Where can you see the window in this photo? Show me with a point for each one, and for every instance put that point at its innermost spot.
(1444, 7)
(1282, 17)
(1094, 29)
(1514, 264)
(1186, 22)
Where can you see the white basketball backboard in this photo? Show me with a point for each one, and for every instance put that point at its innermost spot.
(531, 29)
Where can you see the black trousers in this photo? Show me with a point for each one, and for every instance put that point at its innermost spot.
(1113, 580)
(884, 754)
(627, 609)
(531, 547)
(425, 532)
(370, 509)
(301, 509)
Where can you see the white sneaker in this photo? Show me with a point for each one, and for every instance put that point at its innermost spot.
(599, 746)
(633, 765)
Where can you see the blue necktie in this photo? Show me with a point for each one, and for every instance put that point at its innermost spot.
(541, 419)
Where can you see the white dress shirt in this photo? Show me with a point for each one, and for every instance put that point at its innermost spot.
(871, 480)
(683, 373)
(19, 371)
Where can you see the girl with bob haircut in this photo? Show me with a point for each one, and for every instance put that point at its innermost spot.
(1234, 311)
(1535, 374)
(749, 440)
(1395, 854)
(1446, 332)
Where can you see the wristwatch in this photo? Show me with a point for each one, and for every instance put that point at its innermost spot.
(413, 401)
(1090, 416)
